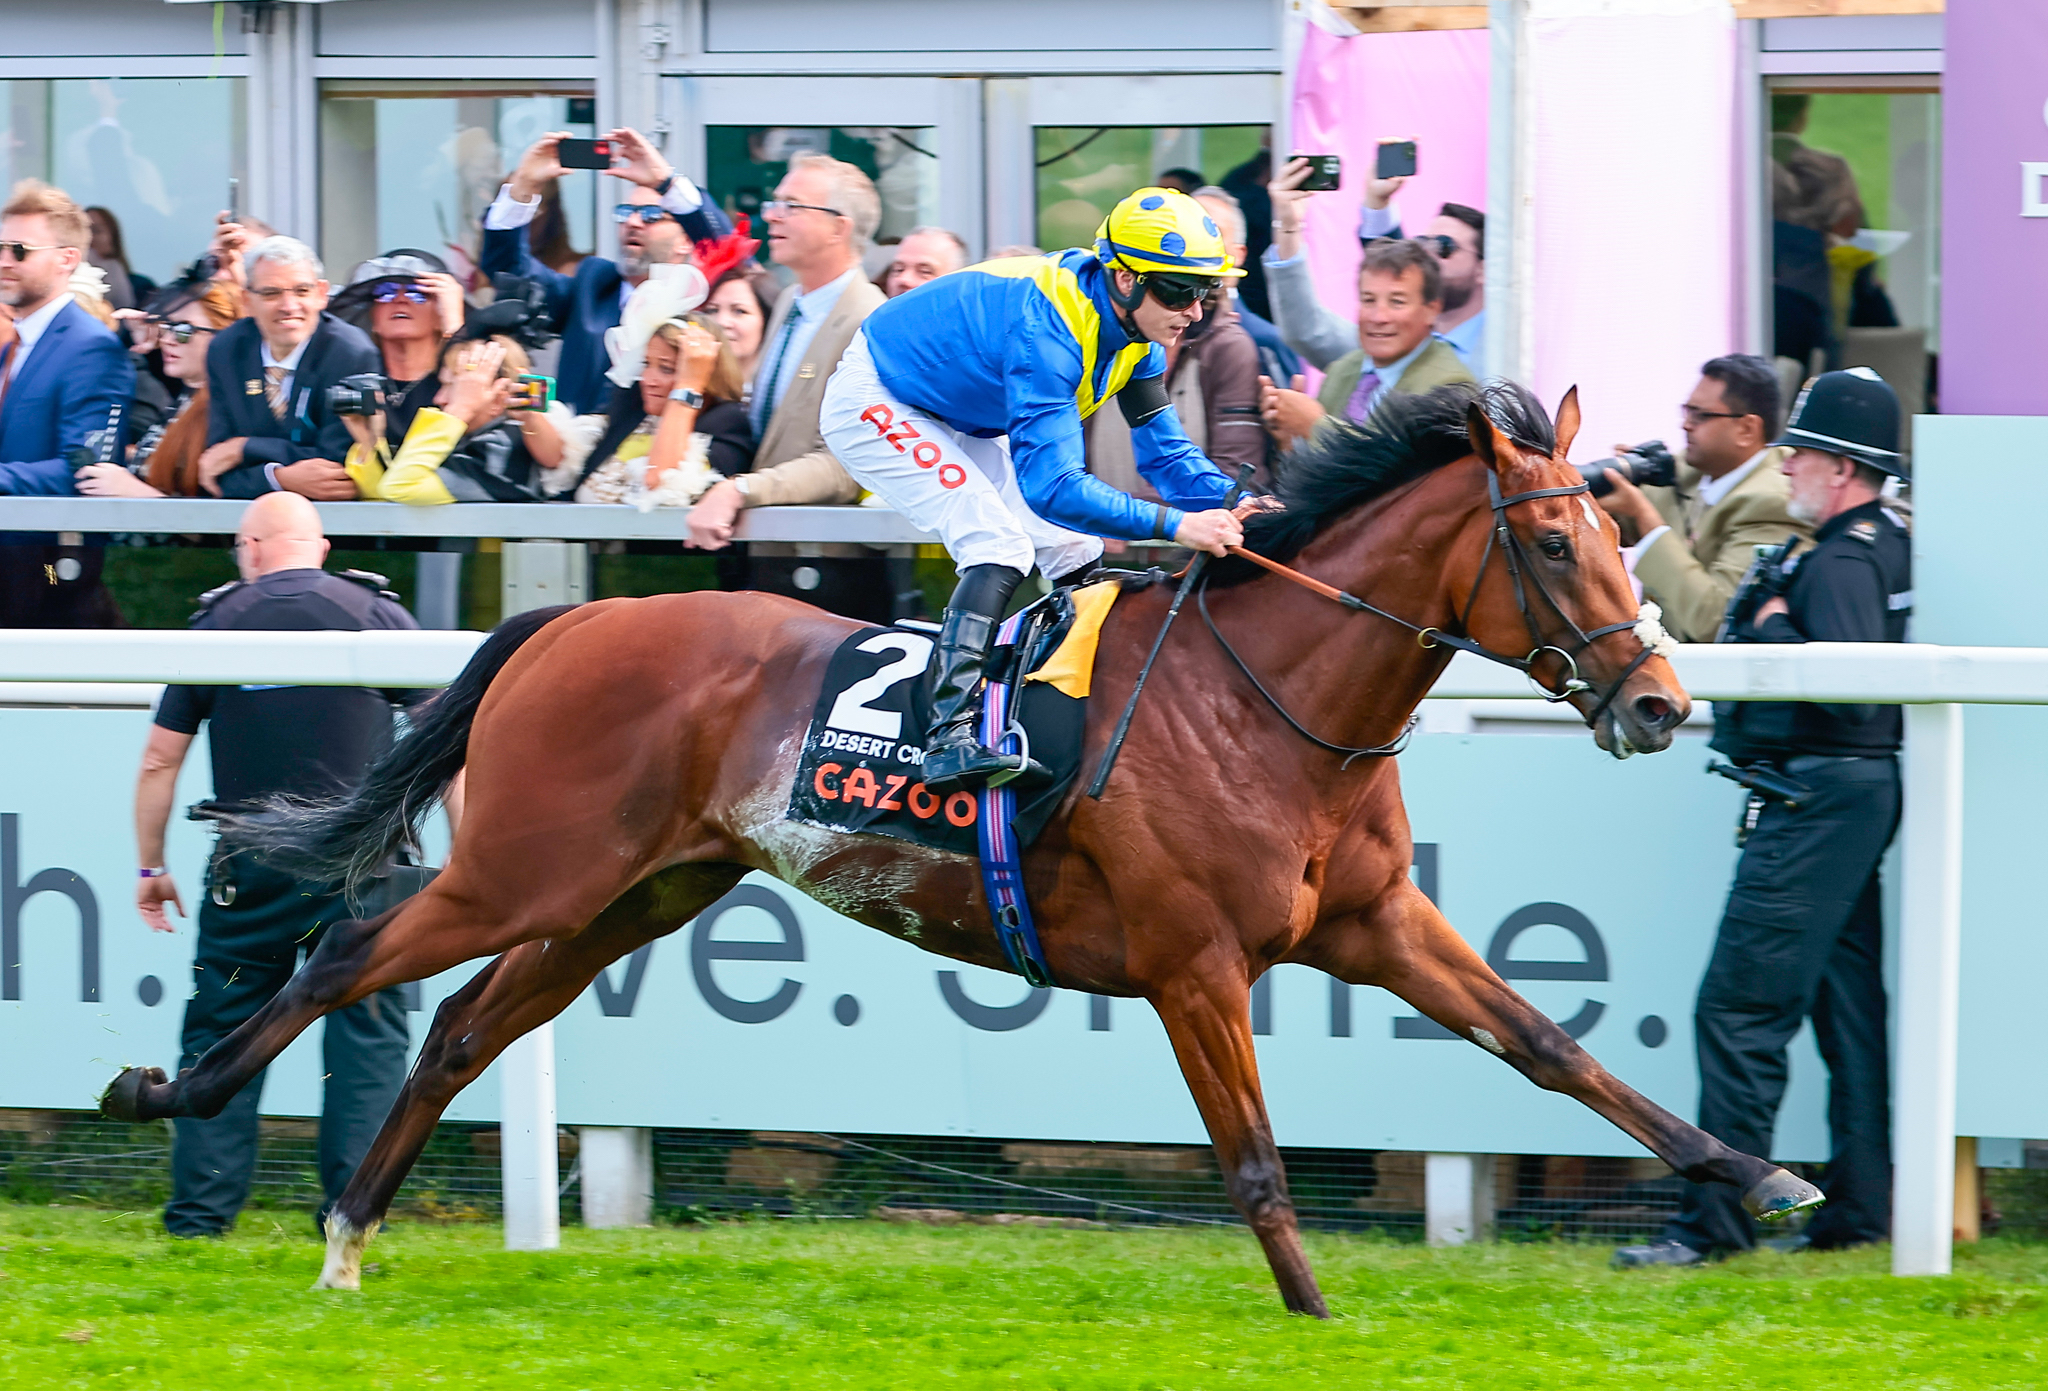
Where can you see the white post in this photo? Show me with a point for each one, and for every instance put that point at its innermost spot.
(526, 1142)
(1457, 1197)
(1510, 137)
(1930, 957)
(617, 1164)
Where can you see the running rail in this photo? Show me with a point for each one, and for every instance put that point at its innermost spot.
(1932, 683)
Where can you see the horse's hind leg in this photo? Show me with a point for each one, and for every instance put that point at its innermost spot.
(1207, 1013)
(1404, 945)
(510, 997)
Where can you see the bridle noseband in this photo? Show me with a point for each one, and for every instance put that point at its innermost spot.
(1521, 571)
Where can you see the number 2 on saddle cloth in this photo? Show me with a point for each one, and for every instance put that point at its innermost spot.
(860, 769)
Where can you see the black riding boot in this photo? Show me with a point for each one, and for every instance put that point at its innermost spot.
(954, 758)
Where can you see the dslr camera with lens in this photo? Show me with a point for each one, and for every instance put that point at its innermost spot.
(362, 394)
(1648, 465)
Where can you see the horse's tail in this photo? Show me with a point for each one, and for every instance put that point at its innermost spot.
(346, 839)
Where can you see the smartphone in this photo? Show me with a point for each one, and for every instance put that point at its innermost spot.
(234, 200)
(1323, 172)
(532, 392)
(584, 154)
(1397, 159)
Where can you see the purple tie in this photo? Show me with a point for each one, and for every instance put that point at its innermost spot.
(1360, 405)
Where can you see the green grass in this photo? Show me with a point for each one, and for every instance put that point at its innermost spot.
(858, 1304)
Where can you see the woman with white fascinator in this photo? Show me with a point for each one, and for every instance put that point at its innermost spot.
(674, 425)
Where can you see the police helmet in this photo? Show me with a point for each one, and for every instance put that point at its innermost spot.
(1853, 413)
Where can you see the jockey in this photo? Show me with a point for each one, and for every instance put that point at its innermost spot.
(960, 404)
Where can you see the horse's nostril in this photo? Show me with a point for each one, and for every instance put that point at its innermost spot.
(1655, 712)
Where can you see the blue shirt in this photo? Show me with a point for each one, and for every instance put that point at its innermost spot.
(783, 354)
(1030, 347)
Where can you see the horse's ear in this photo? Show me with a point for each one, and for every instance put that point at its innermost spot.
(1567, 422)
(1487, 442)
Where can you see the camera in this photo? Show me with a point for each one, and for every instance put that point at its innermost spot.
(362, 394)
(531, 392)
(1648, 465)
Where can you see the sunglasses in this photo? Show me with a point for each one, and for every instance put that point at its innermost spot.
(1177, 292)
(648, 213)
(181, 334)
(20, 250)
(1443, 246)
(392, 291)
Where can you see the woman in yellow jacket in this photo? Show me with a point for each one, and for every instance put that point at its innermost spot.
(468, 446)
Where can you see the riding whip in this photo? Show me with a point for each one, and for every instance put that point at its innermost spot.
(1187, 585)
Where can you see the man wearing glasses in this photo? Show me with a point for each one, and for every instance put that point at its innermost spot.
(268, 425)
(63, 377)
(1693, 541)
(660, 217)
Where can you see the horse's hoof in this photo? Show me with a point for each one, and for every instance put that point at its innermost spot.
(122, 1100)
(339, 1281)
(1779, 1194)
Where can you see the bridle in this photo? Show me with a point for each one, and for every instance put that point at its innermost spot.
(1523, 574)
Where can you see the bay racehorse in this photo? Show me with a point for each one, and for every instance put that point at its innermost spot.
(628, 761)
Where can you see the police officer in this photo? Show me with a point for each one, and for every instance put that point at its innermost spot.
(1801, 934)
(311, 741)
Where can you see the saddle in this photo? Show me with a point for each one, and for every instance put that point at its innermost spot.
(859, 769)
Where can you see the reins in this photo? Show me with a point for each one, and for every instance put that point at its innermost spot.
(1516, 558)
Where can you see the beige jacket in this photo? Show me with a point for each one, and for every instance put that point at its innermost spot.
(1692, 569)
(791, 463)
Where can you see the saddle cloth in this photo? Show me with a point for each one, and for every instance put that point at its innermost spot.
(859, 770)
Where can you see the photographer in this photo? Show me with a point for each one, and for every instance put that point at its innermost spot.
(466, 445)
(1691, 539)
(1802, 934)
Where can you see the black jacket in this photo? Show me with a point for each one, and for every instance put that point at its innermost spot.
(1855, 585)
(234, 372)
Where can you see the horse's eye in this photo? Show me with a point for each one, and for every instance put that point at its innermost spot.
(1555, 547)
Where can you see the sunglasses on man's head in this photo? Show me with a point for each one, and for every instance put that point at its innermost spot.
(21, 250)
(1178, 291)
(648, 213)
(391, 291)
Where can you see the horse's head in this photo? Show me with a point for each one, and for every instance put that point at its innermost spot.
(1554, 586)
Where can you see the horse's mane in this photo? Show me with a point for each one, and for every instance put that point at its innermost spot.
(1344, 466)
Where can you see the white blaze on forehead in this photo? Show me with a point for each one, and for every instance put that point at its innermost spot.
(1592, 517)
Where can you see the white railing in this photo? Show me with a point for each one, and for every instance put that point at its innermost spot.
(1933, 683)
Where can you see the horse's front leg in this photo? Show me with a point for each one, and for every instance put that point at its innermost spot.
(1403, 944)
(1206, 1008)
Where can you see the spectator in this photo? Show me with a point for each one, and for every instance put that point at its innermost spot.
(1180, 179)
(125, 289)
(547, 236)
(1212, 379)
(270, 428)
(925, 253)
(1276, 359)
(676, 383)
(1457, 237)
(1691, 544)
(465, 445)
(64, 380)
(660, 217)
(306, 741)
(1400, 293)
(740, 303)
(181, 323)
(1005, 253)
(411, 306)
(819, 224)
(1247, 183)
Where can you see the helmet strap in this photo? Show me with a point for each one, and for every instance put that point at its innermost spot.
(1128, 303)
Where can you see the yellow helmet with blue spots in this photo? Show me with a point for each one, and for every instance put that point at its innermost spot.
(1163, 230)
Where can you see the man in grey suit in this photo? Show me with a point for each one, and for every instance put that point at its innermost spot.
(819, 224)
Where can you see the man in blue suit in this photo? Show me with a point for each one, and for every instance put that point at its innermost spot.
(64, 381)
(664, 213)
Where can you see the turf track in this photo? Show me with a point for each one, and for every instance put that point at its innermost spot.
(91, 1298)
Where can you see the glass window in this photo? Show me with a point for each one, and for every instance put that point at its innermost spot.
(746, 162)
(155, 152)
(1084, 171)
(404, 166)
(1855, 209)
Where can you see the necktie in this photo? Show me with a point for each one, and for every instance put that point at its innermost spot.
(273, 390)
(769, 388)
(1360, 404)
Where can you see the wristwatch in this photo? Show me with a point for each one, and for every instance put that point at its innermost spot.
(661, 189)
(689, 396)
